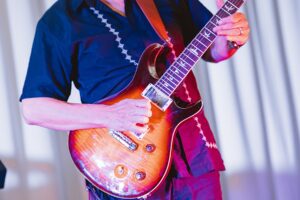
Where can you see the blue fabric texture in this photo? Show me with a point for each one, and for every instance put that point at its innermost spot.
(71, 44)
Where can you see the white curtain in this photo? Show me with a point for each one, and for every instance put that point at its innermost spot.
(252, 102)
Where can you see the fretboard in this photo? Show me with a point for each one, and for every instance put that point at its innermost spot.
(184, 63)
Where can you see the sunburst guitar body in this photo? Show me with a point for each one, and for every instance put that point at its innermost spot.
(126, 164)
(131, 165)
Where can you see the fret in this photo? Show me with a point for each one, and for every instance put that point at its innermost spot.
(167, 79)
(230, 8)
(184, 63)
(237, 3)
(212, 33)
(193, 51)
(232, 4)
(176, 71)
(208, 34)
(200, 42)
(166, 85)
(193, 55)
(222, 14)
(211, 25)
(215, 20)
(189, 56)
(225, 11)
(171, 77)
(161, 89)
(205, 41)
(197, 47)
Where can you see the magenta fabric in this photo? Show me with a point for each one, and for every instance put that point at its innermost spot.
(205, 187)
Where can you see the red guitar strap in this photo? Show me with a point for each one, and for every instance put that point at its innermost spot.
(150, 11)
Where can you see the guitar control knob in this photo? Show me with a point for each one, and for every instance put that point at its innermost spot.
(150, 148)
(120, 171)
(140, 175)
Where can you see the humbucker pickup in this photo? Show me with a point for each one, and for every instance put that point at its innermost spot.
(157, 97)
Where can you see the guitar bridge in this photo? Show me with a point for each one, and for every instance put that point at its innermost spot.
(157, 97)
(123, 139)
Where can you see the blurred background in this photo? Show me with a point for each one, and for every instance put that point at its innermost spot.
(252, 102)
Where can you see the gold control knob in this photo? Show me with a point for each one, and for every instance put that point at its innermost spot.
(120, 171)
(150, 148)
(140, 175)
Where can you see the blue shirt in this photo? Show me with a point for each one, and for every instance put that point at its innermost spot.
(72, 44)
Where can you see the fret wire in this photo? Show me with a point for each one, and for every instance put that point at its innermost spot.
(165, 87)
(192, 54)
(238, 3)
(186, 54)
(178, 75)
(225, 11)
(169, 81)
(232, 4)
(211, 31)
(201, 43)
(222, 13)
(160, 88)
(180, 68)
(205, 41)
(201, 48)
(206, 37)
(219, 18)
(211, 22)
(184, 65)
(195, 49)
(179, 71)
(180, 65)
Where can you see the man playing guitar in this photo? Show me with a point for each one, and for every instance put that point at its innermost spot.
(99, 52)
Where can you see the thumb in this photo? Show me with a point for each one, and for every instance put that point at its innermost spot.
(220, 3)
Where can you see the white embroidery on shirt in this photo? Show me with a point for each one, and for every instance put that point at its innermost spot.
(208, 144)
(116, 34)
(129, 58)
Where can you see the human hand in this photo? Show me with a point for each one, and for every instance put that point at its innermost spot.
(129, 115)
(235, 27)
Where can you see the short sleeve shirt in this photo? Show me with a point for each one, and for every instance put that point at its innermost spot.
(99, 55)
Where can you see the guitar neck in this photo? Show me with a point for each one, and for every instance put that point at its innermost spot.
(184, 63)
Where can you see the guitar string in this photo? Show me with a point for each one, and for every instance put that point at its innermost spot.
(124, 51)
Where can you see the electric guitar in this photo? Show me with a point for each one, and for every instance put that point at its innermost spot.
(131, 165)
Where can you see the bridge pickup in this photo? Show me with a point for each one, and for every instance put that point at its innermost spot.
(157, 97)
(123, 139)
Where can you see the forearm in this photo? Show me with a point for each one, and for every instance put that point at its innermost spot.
(60, 115)
(126, 115)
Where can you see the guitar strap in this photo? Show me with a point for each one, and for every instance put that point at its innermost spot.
(150, 11)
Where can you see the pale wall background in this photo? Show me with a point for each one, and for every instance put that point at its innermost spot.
(252, 102)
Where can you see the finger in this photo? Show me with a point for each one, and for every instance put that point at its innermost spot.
(139, 129)
(232, 32)
(143, 103)
(232, 18)
(139, 119)
(240, 40)
(241, 24)
(220, 3)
